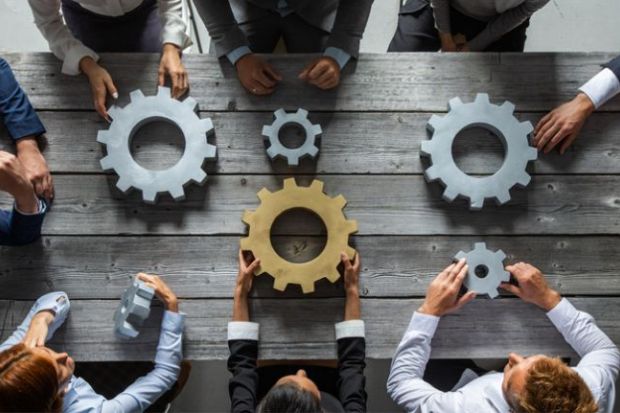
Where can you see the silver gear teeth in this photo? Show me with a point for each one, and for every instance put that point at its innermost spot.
(500, 120)
(292, 155)
(142, 109)
(494, 264)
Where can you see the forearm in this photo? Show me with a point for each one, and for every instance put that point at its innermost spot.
(241, 311)
(349, 25)
(352, 308)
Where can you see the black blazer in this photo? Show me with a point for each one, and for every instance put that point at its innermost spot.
(243, 386)
(614, 66)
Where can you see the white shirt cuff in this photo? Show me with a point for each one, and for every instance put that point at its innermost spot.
(42, 209)
(238, 53)
(243, 330)
(561, 312)
(350, 329)
(602, 87)
(424, 323)
(71, 63)
(179, 39)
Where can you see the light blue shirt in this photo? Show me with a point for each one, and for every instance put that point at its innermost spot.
(339, 55)
(81, 397)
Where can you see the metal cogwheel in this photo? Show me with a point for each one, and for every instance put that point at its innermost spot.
(300, 119)
(133, 310)
(486, 269)
(142, 110)
(499, 120)
(313, 199)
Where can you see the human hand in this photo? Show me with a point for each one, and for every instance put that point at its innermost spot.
(256, 75)
(464, 47)
(442, 296)
(36, 168)
(13, 179)
(247, 266)
(563, 124)
(351, 273)
(100, 84)
(533, 287)
(323, 72)
(162, 291)
(172, 66)
(38, 329)
(448, 44)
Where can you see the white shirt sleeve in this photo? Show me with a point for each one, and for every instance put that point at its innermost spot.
(61, 41)
(174, 29)
(602, 87)
(405, 384)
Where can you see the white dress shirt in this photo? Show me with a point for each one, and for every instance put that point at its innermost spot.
(70, 50)
(599, 365)
(602, 87)
(81, 397)
(248, 330)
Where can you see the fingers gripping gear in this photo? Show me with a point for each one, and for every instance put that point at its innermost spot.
(145, 109)
(486, 269)
(300, 119)
(498, 119)
(313, 199)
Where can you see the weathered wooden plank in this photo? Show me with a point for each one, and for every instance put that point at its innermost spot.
(382, 204)
(353, 143)
(408, 81)
(294, 329)
(206, 267)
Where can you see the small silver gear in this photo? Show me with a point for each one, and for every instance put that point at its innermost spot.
(142, 110)
(498, 119)
(292, 155)
(133, 310)
(486, 269)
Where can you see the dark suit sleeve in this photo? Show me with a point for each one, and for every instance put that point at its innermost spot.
(349, 26)
(220, 21)
(351, 381)
(16, 111)
(243, 386)
(19, 229)
(614, 66)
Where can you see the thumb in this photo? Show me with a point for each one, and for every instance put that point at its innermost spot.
(511, 288)
(252, 267)
(304, 73)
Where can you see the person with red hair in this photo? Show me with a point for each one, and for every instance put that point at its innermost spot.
(35, 378)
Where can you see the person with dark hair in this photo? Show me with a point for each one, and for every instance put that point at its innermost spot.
(296, 392)
(528, 384)
(77, 30)
(563, 124)
(25, 175)
(35, 378)
(241, 28)
(463, 25)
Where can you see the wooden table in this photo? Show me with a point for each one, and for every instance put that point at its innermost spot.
(566, 222)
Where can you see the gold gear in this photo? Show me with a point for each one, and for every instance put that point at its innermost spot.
(313, 199)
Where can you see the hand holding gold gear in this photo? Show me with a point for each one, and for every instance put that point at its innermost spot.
(313, 199)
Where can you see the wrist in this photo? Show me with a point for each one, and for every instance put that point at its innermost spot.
(429, 310)
(44, 316)
(28, 144)
(550, 300)
(87, 64)
(352, 291)
(240, 293)
(171, 48)
(26, 201)
(586, 106)
(172, 305)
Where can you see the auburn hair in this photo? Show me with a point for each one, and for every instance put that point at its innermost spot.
(553, 387)
(28, 382)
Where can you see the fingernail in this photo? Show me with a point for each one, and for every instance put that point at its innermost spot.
(115, 95)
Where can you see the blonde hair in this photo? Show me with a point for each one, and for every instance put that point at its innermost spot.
(553, 387)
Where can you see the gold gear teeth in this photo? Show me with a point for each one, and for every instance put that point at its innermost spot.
(313, 199)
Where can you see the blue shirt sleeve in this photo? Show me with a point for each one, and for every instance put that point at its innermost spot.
(16, 111)
(17, 228)
(339, 55)
(238, 53)
(57, 302)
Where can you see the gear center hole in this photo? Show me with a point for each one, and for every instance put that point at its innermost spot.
(481, 271)
(157, 144)
(478, 150)
(301, 248)
(292, 135)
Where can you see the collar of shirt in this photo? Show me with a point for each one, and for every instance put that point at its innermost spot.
(80, 397)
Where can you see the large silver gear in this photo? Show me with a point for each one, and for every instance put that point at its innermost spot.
(292, 155)
(498, 119)
(126, 121)
(486, 269)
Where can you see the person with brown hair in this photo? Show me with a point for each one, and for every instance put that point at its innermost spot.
(532, 384)
(35, 378)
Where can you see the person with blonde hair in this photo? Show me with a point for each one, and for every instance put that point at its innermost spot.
(532, 384)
